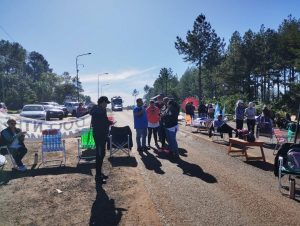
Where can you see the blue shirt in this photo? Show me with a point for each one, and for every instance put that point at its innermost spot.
(140, 122)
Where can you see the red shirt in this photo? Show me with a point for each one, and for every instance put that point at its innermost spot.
(152, 114)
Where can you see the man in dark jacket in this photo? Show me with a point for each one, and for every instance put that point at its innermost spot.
(171, 126)
(14, 139)
(100, 124)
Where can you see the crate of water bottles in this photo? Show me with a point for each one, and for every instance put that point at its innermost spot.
(51, 140)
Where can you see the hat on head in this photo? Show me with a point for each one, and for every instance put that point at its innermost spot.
(103, 99)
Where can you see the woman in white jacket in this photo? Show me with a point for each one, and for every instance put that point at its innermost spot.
(250, 113)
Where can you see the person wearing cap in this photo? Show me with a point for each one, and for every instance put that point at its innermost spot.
(162, 128)
(14, 139)
(100, 125)
(140, 125)
(222, 127)
(239, 114)
(171, 127)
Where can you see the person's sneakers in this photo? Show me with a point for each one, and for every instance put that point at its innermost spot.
(100, 180)
(104, 176)
(22, 168)
(209, 134)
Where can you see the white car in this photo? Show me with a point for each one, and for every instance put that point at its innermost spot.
(35, 111)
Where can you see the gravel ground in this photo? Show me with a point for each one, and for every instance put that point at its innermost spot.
(207, 186)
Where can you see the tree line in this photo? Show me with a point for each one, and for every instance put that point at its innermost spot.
(26, 78)
(260, 66)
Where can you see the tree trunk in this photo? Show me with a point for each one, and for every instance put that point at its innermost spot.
(200, 80)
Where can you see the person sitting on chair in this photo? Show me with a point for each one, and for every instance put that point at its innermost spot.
(14, 139)
(222, 127)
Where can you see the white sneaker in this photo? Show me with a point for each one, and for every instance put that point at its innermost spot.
(22, 168)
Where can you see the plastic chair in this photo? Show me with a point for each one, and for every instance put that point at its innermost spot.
(120, 139)
(290, 167)
(280, 139)
(51, 143)
(87, 142)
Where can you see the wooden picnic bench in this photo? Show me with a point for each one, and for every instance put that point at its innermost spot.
(245, 144)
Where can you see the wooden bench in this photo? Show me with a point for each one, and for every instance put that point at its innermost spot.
(245, 145)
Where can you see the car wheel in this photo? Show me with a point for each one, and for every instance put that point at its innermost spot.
(60, 118)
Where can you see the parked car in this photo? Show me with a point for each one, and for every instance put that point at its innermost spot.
(61, 107)
(53, 112)
(72, 107)
(3, 107)
(35, 111)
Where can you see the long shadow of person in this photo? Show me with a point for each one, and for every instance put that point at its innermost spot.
(194, 170)
(151, 162)
(104, 211)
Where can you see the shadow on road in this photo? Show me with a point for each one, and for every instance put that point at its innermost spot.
(151, 162)
(189, 169)
(261, 165)
(6, 176)
(194, 170)
(104, 211)
(128, 161)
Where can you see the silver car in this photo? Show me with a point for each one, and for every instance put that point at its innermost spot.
(35, 111)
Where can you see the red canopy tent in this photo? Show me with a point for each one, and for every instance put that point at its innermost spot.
(190, 99)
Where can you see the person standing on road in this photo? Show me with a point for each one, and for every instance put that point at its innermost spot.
(153, 122)
(162, 113)
(171, 126)
(100, 125)
(159, 104)
(14, 139)
(239, 114)
(250, 113)
(140, 125)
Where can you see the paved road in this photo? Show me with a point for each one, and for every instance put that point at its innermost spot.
(208, 187)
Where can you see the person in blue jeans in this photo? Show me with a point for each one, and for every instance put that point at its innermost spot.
(140, 125)
(171, 127)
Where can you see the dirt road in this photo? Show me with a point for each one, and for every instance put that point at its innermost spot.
(204, 187)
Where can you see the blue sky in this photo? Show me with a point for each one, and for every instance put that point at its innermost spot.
(129, 39)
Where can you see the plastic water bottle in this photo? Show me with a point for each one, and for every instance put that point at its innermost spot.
(35, 159)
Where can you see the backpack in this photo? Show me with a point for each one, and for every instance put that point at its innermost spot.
(250, 137)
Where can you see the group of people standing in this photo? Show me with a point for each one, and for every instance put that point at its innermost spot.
(159, 119)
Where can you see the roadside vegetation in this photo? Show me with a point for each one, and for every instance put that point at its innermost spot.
(261, 66)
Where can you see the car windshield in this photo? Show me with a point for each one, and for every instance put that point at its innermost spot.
(117, 101)
(49, 107)
(33, 108)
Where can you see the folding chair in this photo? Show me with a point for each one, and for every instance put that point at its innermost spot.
(52, 143)
(120, 139)
(87, 142)
(5, 151)
(291, 167)
(280, 139)
(2, 162)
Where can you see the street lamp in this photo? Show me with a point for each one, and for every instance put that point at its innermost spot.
(98, 81)
(78, 71)
(102, 87)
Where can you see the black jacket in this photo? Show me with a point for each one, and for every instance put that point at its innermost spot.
(100, 122)
(170, 119)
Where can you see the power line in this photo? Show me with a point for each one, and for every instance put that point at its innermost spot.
(2, 28)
